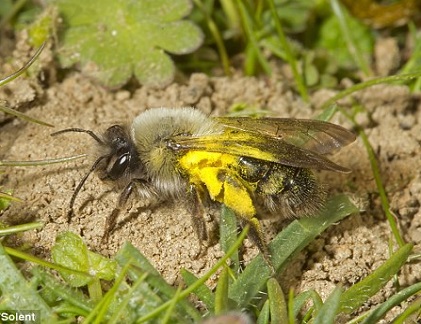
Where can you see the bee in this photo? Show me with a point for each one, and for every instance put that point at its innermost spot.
(254, 166)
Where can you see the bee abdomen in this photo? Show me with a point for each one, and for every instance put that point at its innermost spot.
(290, 191)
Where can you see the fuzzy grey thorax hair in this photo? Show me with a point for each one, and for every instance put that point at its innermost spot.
(151, 132)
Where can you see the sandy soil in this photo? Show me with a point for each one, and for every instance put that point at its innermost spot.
(342, 255)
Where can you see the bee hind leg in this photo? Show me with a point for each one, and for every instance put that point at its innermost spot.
(238, 198)
(256, 236)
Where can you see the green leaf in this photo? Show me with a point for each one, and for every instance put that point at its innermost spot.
(70, 252)
(5, 199)
(332, 39)
(294, 14)
(114, 40)
(5, 7)
(17, 293)
(44, 26)
(228, 234)
(53, 289)
(277, 304)
(359, 293)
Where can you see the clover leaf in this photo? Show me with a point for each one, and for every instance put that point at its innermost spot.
(114, 39)
(71, 252)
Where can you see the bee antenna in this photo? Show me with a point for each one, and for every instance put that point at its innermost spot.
(80, 130)
(82, 182)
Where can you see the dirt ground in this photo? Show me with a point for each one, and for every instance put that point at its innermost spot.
(344, 254)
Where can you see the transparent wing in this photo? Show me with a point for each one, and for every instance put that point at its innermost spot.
(259, 146)
(314, 135)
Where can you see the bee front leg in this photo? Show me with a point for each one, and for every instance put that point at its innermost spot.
(196, 196)
(112, 219)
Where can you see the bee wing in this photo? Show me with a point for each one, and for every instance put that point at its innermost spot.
(258, 146)
(314, 135)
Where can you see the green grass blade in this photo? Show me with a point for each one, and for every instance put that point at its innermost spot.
(299, 81)
(301, 300)
(99, 313)
(380, 187)
(5, 201)
(216, 34)
(221, 293)
(23, 69)
(277, 303)
(202, 292)
(20, 115)
(352, 44)
(290, 305)
(359, 293)
(251, 35)
(134, 292)
(8, 16)
(264, 314)
(168, 314)
(230, 11)
(328, 113)
(129, 254)
(367, 84)
(20, 228)
(391, 302)
(413, 63)
(41, 162)
(41, 262)
(378, 179)
(328, 311)
(414, 309)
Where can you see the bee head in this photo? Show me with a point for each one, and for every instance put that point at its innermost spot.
(120, 162)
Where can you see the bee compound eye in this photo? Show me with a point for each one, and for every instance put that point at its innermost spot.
(120, 165)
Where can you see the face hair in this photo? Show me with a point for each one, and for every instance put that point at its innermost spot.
(92, 169)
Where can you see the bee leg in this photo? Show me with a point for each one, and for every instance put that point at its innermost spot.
(256, 236)
(198, 212)
(112, 219)
(237, 197)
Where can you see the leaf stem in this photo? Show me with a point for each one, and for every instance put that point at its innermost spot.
(288, 53)
(213, 28)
